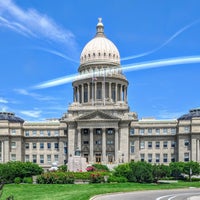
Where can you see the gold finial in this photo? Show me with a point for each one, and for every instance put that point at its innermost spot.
(100, 20)
(100, 28)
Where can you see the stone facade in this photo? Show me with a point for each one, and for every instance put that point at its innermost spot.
(99, 123)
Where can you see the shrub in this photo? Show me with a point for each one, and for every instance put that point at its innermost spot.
(90, 168)
(63, 168)
(9, 171)
(96, 178)
(28, 180)
(100, 167)
(17, 180)
(55, 178)
(115, 179)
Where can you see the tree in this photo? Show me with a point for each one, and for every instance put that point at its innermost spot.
(142, 171)
(191, 168)
(176, 169)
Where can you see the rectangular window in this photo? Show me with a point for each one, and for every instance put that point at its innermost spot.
(173, 131)
(141, 131)
(149, 157)
(34, 132)
(56, 158)
(27, 145)
(142, 145)
(41, 133)
(56, 133)
(34, 145)
(110, 131)
(186, 129)
(98, 142)
(110, 142)
(48, 145)
(98, 131)
(49, 158)
(187, 143)
(157, 131)
(142, 157)
(157, 145)
(149, 145)
(27, 158)
(49, 133)
(165, 156)
(132, 131)
(34, 158)
(56, 145)
(173, 158)
(165, 144)
(132, 147)
(173, 144)
(149, 131)
(41, 145)
(84, 142)
(164, 130)
(186, 157)
(157, 158)
(13, 132)
(26, 133)
(13, 157)
(41, 159)
(13, 145)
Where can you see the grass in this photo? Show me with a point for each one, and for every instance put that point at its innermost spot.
(80, 191)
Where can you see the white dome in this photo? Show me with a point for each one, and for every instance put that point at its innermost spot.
(100, 49)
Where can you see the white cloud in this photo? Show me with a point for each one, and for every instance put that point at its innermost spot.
(31, 113)
(34, 24)
(2, 100)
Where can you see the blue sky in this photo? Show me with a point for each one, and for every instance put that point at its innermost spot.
(42, 40)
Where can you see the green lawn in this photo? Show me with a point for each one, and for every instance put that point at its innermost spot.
(80, 191)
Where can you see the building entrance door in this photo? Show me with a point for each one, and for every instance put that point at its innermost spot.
(98, 158)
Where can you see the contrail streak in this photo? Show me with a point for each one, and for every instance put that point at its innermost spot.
(57, 54)
(164, 44)
(125, 68)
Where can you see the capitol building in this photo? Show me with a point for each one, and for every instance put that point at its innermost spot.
(98, 123)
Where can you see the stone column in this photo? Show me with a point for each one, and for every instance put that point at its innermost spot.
(104, 146)
(74, 94)
(125, 94)
(110, 89)
(88, 92)
(116, 93)
(91, 146)
(121, 92)
(95, 91)
(79, 139)
(197, 150)
(82, 93)
(2, 152)
(116, 145)
(78, 94)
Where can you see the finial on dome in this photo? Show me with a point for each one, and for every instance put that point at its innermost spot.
(100, 28)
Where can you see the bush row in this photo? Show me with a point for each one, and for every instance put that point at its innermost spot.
(59, 177)
(9, 171)
(146, 172)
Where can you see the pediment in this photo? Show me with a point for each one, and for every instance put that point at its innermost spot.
(97, 115)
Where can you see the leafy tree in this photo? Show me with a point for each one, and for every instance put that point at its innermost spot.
(142, 171)
(191, 168)
(176, 169)
(9, 171)
(122, 170)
